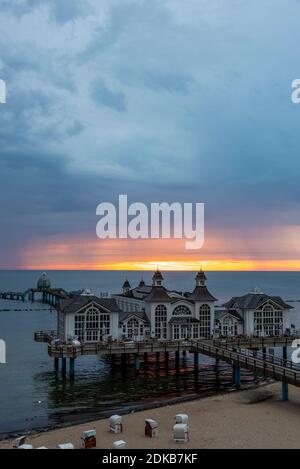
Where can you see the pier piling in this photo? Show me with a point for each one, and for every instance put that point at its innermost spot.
(56, 364)
(284, 385)
(63, 365)
(196, 362)
(137, 363)
(167, 360)
(72, 367)
(177, 360)
(237, 376)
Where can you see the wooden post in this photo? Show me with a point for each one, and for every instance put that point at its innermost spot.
(167, 360)
(196, 362)
(177, 360)
(63, 365)
(217, 365)
(237, 376)
(137, 362)
(56, 364)
(284, 385)
(123, 361)
(72, 367)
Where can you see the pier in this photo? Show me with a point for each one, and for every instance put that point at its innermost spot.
(240, 353)
(49, 296)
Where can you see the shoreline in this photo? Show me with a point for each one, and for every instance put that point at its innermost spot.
(131, 408)
(247, 419)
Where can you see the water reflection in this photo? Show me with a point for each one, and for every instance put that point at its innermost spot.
(101, 387)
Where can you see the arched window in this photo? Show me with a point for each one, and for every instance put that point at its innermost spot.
(161, 322)
(205, 321)
(132, 328)
(182, 310)
(79, 326)
(92, 325)
(229, 326)
(268, 321)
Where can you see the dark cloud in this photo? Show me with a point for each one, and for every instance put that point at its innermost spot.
(161, 100)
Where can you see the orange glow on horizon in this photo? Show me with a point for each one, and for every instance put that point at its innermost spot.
(275, 250)
(208, 265)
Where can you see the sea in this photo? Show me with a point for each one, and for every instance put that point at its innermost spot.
(33, 396)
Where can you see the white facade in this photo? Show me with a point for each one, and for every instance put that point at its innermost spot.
(170, 314)
(154, 312)
(255, 314)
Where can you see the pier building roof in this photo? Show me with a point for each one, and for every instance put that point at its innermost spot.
(219, 314)
(201, 293)
(254, 301)
(72, 305)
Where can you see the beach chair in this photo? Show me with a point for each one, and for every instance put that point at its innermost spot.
(88, 439)
(65, 446)
(25, 446)
(181, 433)
(19, 441)
(119, 444)
(151, 428)
(181, 418)
(115, 424)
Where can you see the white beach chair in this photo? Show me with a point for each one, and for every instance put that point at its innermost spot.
(25, 446)
(65, 446)
(19, 441)
(119, 444)
(181, 433)
(181, 418)
(115, 424)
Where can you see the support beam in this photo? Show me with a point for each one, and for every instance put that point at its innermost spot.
(177, 359)
(72, 367)
(63, 365)
(123, 361)
(56, 364)
(217, 365)
(137, 362)
(237, 376)
(284, 385)
(196, 362)
(145, 358)
(284, 391)
(167, 360)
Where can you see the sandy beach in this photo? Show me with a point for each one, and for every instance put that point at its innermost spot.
(227, 421)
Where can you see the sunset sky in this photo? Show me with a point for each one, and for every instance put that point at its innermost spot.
(163, 100)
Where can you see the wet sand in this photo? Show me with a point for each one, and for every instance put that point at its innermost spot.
(235, 420)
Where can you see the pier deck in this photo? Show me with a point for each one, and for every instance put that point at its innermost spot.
(239, 352)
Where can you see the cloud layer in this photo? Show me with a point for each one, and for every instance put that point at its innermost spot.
(163, 100)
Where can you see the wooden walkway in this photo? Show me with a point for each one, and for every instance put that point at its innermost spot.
(259, 362)
(264, 365)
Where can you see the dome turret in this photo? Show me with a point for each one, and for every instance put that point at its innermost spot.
(43, 282)
(200, 278)
(157, 279)
(126, 286)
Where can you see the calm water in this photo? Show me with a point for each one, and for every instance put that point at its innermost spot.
(33, 396)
